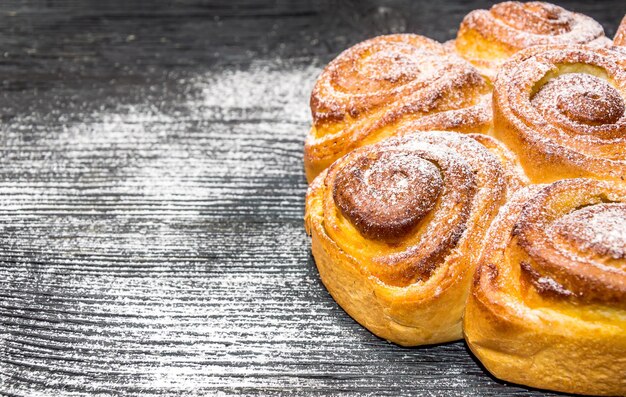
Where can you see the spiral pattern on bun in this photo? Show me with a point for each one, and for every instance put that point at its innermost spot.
(487, 38)
(389, 84)
(562, 110)
(395, 225)
(548, 306)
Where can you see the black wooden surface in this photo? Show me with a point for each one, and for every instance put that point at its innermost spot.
(151, 201)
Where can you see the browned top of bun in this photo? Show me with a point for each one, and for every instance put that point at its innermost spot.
(519, 25)
(402, 206)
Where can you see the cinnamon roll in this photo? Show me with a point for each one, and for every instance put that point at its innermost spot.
(562, 110)
(395, 225)
(487, 38)
(387, 84)
(620, 36)
(548, 304)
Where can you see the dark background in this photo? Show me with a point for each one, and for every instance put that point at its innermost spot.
(152, 193)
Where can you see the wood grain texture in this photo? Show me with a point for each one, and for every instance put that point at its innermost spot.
(151, 202)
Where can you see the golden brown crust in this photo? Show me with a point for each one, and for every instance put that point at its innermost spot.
(380, 85)
(562, 110)
(620, 36)
(383, 202)
(487, 38)
(394, 227)
(548, 304)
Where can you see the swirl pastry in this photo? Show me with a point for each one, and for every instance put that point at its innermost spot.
(620, 36)
(394, 227)
(389, 84)
(487, 38)
(562, 110)
(548, 305)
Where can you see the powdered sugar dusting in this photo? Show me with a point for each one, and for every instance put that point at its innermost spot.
(522, 25)
(473, 182)
(384, 80)
(598, 229)
(577, 114)
(580, 98)
(576, 239)
(386, 193)
(392, 65)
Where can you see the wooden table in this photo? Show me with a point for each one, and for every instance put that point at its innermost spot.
(151, 202)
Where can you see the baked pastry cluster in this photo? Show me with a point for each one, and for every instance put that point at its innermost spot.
(477, 189)
(487, 38)
(388, 84)
(548, 302)
(562, 110)
(394, 227)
